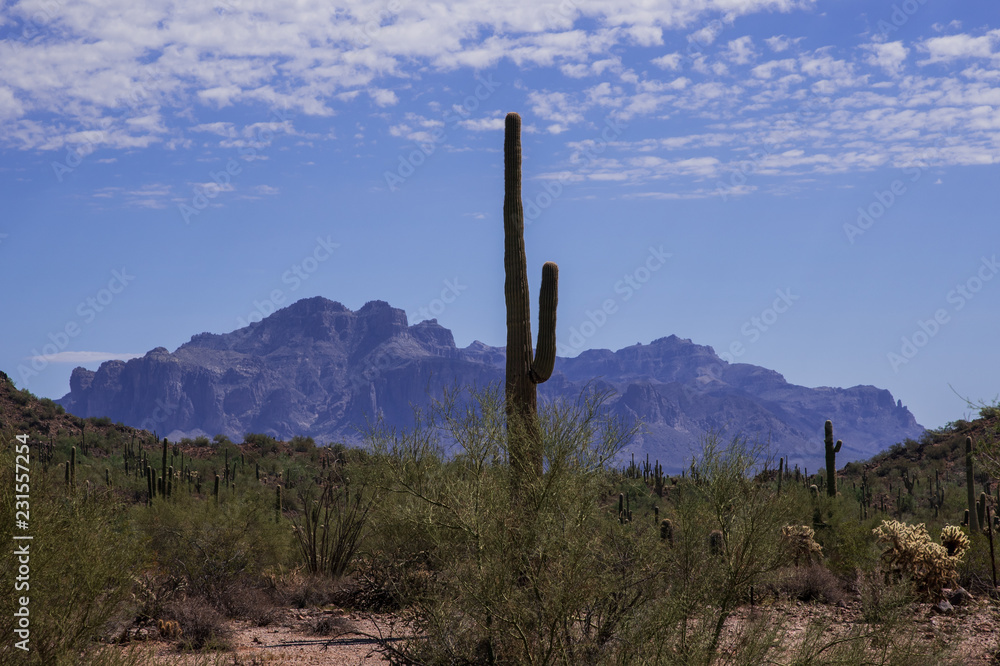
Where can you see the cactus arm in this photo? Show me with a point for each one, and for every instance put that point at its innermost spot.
(548, 298)
(836, 449)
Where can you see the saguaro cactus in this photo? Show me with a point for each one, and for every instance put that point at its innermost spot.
(525, 369)
(163, 491)
(277, 504)
(831, 459)
(970, 486)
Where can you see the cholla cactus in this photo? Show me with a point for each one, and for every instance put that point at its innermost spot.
(954, 540)
(801, 543)
(911, 553)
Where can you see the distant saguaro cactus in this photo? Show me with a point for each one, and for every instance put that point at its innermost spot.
(525, 368)
(277, 504)
(831, 459)
(163, 490)
(715, 542)
(970, 486)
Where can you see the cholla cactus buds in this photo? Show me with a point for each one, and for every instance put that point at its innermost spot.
(954, 540)
(801, 543)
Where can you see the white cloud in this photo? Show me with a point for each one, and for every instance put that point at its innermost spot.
(890, 56)
(781, 43)
(741, 51)
(670, 61)
(766, 70)
(383, 97)
(84, 357)
(953, 47)
(482, 124)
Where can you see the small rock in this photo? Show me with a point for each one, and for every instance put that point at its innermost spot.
(959, 597)
(943, 607)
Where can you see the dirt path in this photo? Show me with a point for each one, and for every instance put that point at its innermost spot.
(299, 638)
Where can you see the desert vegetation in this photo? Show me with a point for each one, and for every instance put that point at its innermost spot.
(495, 530)
(590, 562)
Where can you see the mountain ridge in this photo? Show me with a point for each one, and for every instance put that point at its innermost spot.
(316, 368)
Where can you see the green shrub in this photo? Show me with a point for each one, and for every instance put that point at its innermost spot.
(80, 559)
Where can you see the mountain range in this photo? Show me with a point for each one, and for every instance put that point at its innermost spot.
(316, 368)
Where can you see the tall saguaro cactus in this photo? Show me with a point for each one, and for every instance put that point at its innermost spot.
(525, 369)
(970, 486)
(831, 459)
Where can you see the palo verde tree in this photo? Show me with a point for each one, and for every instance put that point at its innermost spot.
(525, 369)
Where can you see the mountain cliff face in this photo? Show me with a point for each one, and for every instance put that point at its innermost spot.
(316, 368)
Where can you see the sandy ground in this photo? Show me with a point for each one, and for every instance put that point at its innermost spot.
(972, 631)
(346, 639)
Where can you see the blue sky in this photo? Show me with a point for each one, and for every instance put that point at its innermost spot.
(806, 186)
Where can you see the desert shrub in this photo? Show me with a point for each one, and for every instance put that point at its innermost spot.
(883, 600)
(544, 575)
(810, 583)
(975, 570)
(202, 626)
(329, 527)
(79, 551)
(909, 552)
(216, 549)
(302, 444)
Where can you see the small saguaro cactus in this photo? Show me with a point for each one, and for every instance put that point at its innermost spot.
(831, 458)
(715, 542)
(970, 486)
(781, 472)
(667, 531)
(981, 511)
(163, 489)
(277, 504)
(525, 368)
(216, 492)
